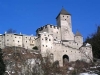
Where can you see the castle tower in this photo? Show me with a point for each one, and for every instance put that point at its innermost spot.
(64, 22)
(78, 38)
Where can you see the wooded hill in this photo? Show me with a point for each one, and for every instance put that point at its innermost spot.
(94, 40)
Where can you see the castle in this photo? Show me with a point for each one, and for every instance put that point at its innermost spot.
(57, 41)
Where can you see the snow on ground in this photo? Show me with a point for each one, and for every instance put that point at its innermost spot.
(87, 74)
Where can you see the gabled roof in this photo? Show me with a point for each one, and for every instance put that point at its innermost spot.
(64, 12)
(78, 34)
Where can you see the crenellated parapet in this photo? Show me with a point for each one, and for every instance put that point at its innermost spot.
(46, 27)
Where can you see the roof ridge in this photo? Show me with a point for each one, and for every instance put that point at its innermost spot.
(78, 33)
(64, 12)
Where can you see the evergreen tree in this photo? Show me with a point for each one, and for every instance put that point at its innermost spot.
(2, 65)
(94, 40)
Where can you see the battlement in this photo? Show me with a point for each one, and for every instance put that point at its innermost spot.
(46, 26)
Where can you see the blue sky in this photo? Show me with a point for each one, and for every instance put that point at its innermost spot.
(27, 15)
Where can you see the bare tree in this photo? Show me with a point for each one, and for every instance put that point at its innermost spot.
(87, 55)
(11, 31)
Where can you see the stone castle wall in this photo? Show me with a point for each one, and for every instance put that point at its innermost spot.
(58, 41)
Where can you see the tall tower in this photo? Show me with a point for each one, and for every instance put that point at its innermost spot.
(78, 38)
(64, 22)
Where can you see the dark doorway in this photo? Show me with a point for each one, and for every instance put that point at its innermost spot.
(65, 59)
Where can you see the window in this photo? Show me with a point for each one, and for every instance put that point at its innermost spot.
(67, 16)
(26, 41)
(42, 39)
(43, 45)
(65, 19)
(56, 37)
(49, 39)
(46, 45)
(0, 40)
(46, 38)
(57, 32)
(63, 16)
(18, 41)
(7, 40)
(26, 37)
(13, 40)
(15, 37)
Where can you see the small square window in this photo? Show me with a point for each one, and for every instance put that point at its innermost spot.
(18, 41)
(26, 37)
(7, 40)
(49, 39)
(46, 38)
(15, 37)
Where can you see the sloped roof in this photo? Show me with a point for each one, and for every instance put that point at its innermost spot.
(64, 12)
(78, 33)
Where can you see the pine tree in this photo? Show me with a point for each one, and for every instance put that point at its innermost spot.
(2, 65)
(94, 40)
